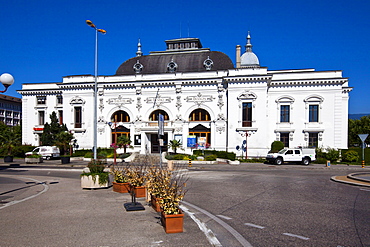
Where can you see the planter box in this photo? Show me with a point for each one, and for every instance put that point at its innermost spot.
(172, 223)
(33, 160)
(154, 201)
(140, 191)
(65, 160)
(87, 182)
(121, 187)
(8, 158)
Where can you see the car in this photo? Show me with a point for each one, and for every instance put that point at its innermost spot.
(297, 155)
(47, 152)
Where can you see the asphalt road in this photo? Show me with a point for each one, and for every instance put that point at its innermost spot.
(282, 206)
(250, 205)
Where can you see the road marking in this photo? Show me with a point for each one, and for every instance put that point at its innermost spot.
(224, 217)
(30, 197)
(231, 230)
(296, 236)
(253, 225)
(365, 189)
(203, 227)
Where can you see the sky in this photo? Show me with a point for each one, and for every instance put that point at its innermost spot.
(45, 40)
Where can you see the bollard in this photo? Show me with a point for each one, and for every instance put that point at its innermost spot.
(170, 165)
(189, 162)
(328, 163)
(363, 163)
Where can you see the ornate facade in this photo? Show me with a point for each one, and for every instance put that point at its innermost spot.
(242, 108)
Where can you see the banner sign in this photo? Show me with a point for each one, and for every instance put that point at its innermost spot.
(192, 141)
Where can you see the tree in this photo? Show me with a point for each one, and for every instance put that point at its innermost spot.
(123, 141)
(174, 144)
(48, 137)
(63, 141)
(11, 136)
(358, 126)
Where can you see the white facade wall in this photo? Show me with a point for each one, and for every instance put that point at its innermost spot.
(220, 93)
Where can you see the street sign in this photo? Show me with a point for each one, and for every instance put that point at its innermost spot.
(363, 137)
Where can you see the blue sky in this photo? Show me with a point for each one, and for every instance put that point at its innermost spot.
(44, 40)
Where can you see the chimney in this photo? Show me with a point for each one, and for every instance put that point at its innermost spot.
(238, 54)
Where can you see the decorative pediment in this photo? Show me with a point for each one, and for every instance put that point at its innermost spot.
(200, 99)
(247, 95)
(77, 100)
(119, 101)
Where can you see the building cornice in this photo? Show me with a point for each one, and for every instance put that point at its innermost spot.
(305, 82)
(40, 92)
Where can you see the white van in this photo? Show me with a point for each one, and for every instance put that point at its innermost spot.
(47, 152)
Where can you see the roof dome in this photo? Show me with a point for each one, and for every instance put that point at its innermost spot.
(249, 59)
(182, 55)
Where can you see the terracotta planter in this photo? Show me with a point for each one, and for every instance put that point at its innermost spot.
(154, 201)
(140, 191)
(121, 187)
(173, 223)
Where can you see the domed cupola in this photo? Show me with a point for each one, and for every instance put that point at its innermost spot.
(249, 59)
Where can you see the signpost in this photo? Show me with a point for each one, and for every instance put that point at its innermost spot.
(160, 135)
(363, 138)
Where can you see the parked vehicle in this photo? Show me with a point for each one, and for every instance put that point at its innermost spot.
(47, 152)
(298, 155)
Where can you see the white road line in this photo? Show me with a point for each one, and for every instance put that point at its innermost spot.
(231, 230)
(253, 225)
(203, 227)
(224, 217)
(30, 197)
(365, 189)
(296, 236)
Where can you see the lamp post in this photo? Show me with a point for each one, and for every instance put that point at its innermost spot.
(7, 80)
(95, 128)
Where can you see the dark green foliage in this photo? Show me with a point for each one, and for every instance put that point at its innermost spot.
(211, 157)
(350, 156)
(320, 161)
(174, 144)
(332, 155)
(123, 141)
(97, 168)
(253, 160)
(10, 138)
(359, 126)
(219, 154)
(276, 146)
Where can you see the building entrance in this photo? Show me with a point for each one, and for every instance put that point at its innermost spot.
(155, 143)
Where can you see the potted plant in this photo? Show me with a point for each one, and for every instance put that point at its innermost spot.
(63, 141)
(172, 217)
(158, 180)
(33, 158)
(10, 138)
(95, 176)
(120, 183)
(123, 142)
(136, 176)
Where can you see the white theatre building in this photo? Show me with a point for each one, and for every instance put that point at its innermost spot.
(200, 93)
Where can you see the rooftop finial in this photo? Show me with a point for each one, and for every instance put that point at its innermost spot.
(248, 46)
(139, 53)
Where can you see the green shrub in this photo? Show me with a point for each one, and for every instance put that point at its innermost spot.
(193, 157)
(276, 146)
(350, 156)
(320, 161)
(332, 154)
(179, 156)
(211, 157)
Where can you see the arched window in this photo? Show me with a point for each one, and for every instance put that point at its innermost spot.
(154, 115)
(199, 115)
(120, 116)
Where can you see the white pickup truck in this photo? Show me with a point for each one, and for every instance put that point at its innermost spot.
(297, 155)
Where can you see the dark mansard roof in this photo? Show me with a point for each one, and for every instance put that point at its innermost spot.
(182, 55)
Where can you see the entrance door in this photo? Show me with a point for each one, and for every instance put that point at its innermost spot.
(155, 143)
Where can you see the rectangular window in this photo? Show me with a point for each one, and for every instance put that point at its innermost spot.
(59, 99)
(41, 100)
(313, 140)
(60, 117)
(313, 113)
(284, 138)
(284, 114)
(78, 117)
(247, 114)
(41, 117)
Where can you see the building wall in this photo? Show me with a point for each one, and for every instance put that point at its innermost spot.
(220, 93)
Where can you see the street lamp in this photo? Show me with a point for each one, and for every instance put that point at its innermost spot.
(95, 129)
(7, 80)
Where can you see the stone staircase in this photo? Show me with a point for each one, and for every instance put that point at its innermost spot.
(150, 159)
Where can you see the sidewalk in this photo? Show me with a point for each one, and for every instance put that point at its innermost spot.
(66, 215)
